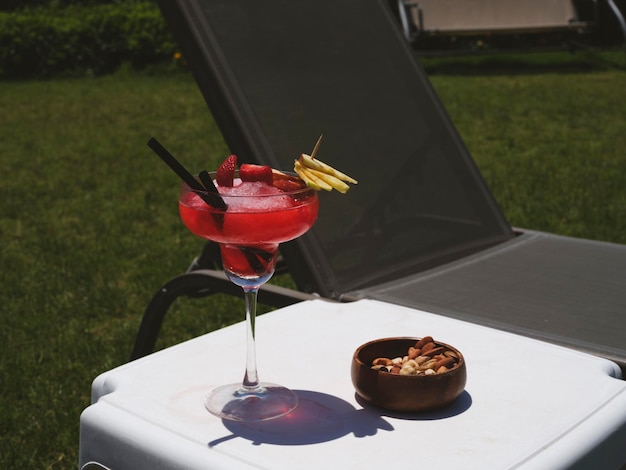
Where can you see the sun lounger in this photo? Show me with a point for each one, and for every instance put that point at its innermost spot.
(479, 17)
(421, 229)
(478, 26)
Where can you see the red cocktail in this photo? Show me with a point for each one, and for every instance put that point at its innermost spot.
(249, 221)
(257, 219)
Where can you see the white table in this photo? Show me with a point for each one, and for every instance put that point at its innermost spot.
(527, 404)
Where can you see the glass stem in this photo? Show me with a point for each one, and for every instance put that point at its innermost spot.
(251, 379)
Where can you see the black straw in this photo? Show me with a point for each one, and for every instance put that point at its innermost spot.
(212, 194)
(211, 197)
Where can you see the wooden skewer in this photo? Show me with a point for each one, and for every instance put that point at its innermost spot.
(317, 145)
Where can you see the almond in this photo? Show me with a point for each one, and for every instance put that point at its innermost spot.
(423, 341)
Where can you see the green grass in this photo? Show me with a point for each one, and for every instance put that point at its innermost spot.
(550, 143)
(89, 227)
(89, 232)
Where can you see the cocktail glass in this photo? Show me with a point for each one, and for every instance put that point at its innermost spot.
(258, 217)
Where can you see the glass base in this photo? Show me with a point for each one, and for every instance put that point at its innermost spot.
(268, 401)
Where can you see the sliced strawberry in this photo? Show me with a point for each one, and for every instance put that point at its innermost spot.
(226, 172)
(250, 173)
(287, 184)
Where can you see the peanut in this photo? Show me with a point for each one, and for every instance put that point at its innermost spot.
(428, 364)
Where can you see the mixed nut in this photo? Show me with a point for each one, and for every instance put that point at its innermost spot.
(424, 358)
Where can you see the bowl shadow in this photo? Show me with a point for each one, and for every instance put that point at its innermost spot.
(461, 404)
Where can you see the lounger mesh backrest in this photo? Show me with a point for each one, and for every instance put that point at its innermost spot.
(276, 74)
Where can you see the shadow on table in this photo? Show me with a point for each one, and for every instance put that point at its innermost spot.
(460, 405)
(320, 417)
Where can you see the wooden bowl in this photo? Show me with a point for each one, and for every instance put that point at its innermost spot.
(404, 393)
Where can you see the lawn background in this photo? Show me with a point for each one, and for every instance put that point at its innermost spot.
(89, 228)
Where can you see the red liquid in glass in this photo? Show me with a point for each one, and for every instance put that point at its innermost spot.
(252, 227)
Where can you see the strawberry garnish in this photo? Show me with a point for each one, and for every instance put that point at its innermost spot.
(226, 172)
(288, 184)
(250, 173)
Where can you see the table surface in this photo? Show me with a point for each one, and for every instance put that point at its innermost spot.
(527, 404)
